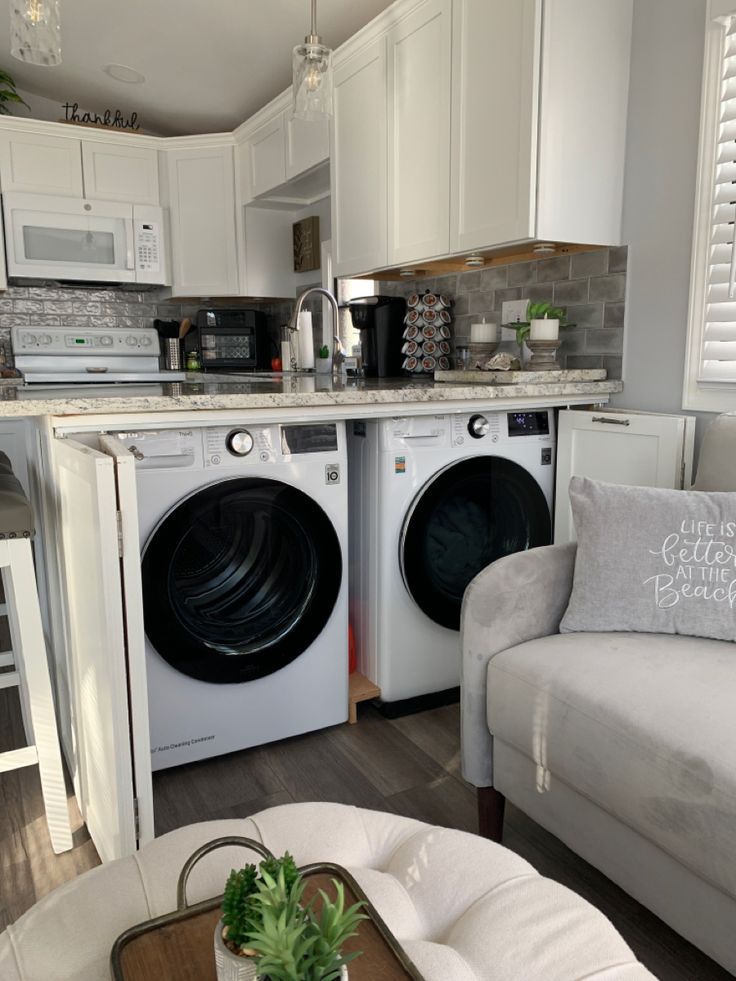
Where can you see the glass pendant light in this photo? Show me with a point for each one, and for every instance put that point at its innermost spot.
(35, 31)
(312, 65)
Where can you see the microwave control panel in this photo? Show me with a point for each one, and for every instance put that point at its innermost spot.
(147, 246)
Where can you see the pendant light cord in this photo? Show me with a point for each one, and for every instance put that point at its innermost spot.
(314, 37)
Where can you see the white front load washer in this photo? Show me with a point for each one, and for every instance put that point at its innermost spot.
(243, 540)
(433, 501)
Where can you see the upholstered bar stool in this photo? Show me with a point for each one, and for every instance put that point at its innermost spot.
(28, 656)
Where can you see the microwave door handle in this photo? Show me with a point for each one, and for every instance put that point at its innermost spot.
(130, 248)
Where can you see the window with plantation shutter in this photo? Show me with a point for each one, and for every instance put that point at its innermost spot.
(718, 359)
(710, 381)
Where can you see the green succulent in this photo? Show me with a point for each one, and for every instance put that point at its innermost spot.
(8, 94)
(264, 913)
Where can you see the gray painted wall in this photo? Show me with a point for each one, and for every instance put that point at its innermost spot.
(659, 197)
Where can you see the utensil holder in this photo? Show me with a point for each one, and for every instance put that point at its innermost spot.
(172, 353)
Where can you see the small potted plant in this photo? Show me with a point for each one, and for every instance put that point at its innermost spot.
(324, 361)
(8, 94)
(268, 933)
(543, 323)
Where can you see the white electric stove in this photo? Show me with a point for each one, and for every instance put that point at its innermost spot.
(95, 355)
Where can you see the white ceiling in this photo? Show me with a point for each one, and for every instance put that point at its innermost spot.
(209, 64)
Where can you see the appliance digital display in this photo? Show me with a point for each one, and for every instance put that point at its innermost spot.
(309, 439)
(528, 423)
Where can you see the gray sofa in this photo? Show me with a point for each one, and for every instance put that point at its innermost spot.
(622, 745)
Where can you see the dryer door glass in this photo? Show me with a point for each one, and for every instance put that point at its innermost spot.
(470, 514)
(239, 579)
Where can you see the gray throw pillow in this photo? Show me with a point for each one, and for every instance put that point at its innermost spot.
(653, 560)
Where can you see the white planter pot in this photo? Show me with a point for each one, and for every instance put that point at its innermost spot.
(545, 329)
(230, 967)
(323, 366)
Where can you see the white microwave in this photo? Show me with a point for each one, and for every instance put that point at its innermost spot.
(50, 237)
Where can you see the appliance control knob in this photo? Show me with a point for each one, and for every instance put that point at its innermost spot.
(106, 340)
(28, 338)
(478, 427)
(146, 341)
(239, 442)
(45, 338)
(131, 341)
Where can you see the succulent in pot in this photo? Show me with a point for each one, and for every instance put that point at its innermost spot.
(267, 931)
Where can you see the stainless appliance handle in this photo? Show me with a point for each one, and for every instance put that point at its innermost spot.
(612, 422)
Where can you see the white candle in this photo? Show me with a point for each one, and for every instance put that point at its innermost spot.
(483, 333)
(545, 329)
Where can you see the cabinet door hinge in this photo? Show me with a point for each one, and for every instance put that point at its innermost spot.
(119, 519)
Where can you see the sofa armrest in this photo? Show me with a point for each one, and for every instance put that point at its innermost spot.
(518, 598)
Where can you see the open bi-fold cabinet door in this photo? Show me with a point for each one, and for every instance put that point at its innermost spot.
(644, 449)
(98, 558)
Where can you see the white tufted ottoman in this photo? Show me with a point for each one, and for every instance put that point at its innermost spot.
(462, 907)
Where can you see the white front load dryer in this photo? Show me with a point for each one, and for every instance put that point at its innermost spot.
(243, 541)
(433, 501)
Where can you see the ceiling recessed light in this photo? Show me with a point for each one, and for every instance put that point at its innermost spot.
(122, 73)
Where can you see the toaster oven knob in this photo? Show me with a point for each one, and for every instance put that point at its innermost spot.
(239, 442)
(478, 427)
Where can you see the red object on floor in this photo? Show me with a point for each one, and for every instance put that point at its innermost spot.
(352, 655)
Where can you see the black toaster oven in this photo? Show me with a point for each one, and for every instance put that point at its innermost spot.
(232, 340)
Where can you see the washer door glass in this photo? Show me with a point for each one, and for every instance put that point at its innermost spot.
(239, 579)
(470, 514)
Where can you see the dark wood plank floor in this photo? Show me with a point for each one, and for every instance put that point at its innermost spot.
(409, 766)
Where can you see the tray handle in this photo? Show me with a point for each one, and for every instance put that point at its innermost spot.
(210, 846)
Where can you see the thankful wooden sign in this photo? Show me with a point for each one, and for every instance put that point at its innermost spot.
(109, 119)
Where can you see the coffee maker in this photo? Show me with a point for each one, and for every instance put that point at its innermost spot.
(380, 320)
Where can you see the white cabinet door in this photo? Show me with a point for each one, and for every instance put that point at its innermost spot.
(642, 449)
(419, 51)
(307, 144)
(132, 595)
(120, 173)
(266, 156)
(358, 161)
(40, 164)
(495, 85)
(89, 565)
(201, 198)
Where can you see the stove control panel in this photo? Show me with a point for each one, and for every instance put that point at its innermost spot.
(69, 342)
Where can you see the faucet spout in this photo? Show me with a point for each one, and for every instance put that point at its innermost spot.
(330, 297)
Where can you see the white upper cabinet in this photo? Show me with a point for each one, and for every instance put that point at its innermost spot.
(418, 58)
(115, 172)
(358, 160)
(40, 164)
(266, 156)
(307, 144)
(494, 118)
(200, 192)
(539, 104)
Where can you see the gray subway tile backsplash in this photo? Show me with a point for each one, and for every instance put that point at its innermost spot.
(597, 312)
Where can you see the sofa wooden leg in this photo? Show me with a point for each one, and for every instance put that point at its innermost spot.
(491, 805)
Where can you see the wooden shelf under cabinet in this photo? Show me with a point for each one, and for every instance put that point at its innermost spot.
(360, 690)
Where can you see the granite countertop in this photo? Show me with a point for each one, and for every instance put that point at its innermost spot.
(201, 392)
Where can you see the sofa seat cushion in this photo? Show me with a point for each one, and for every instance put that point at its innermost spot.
(644, 725)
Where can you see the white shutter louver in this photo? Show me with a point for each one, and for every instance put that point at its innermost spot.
(718, 363)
